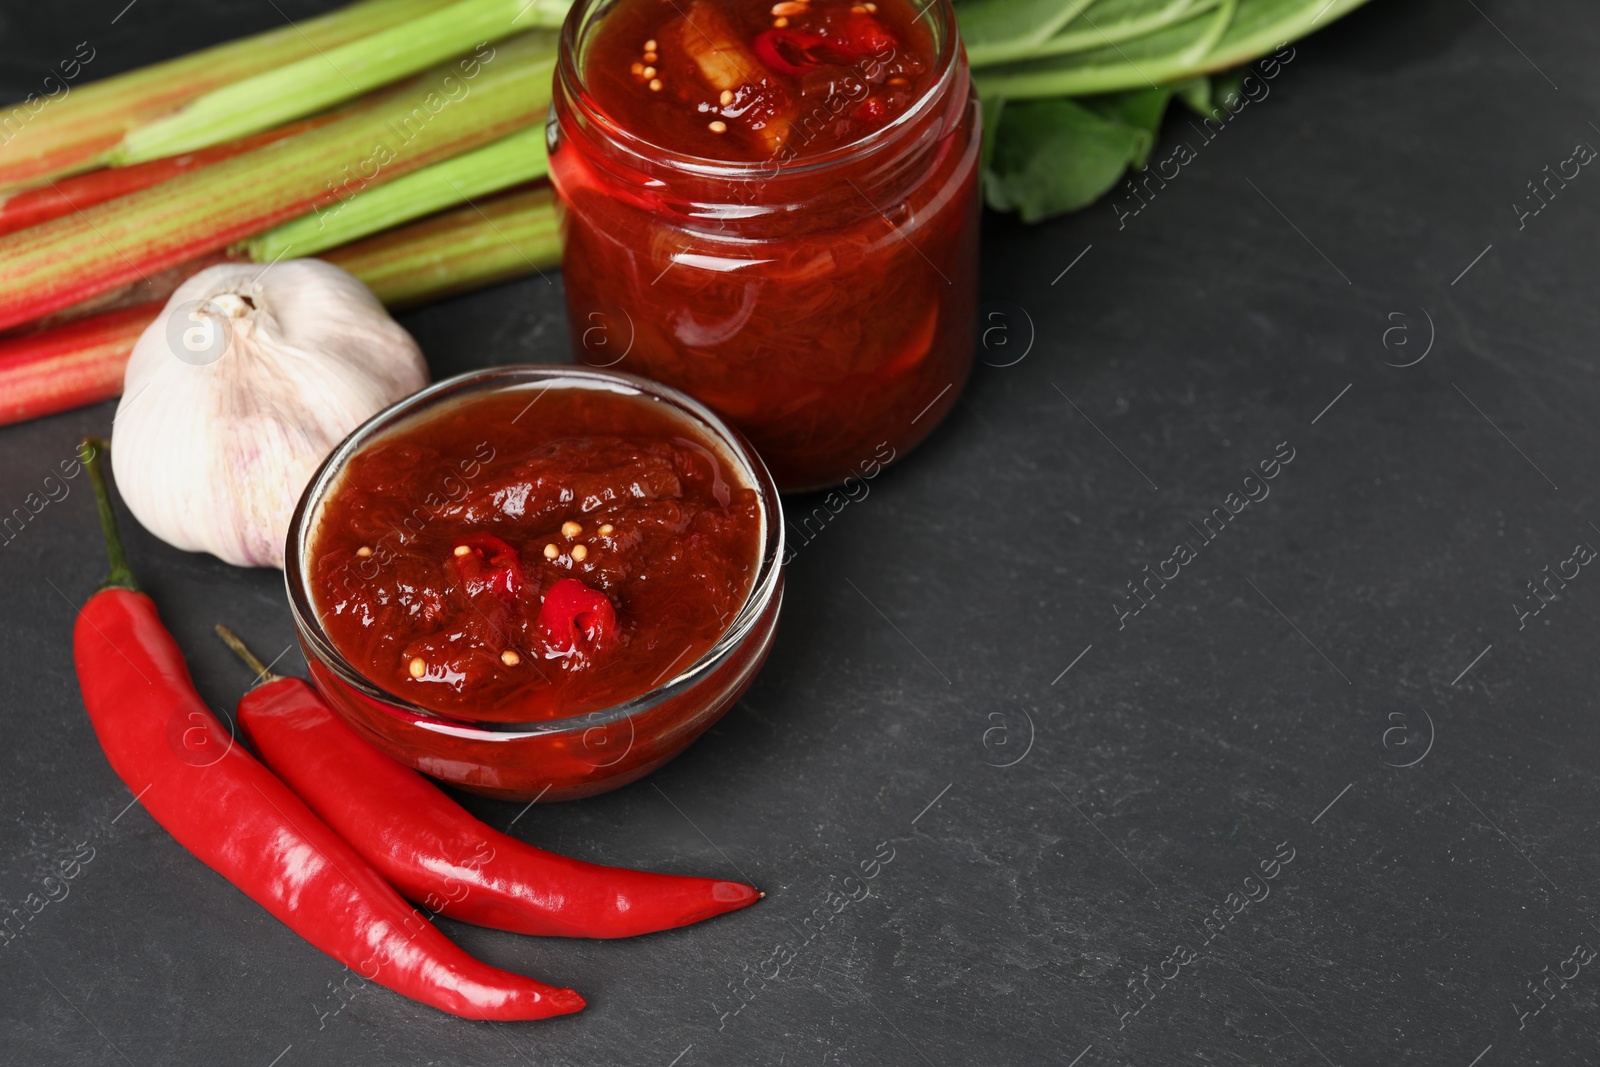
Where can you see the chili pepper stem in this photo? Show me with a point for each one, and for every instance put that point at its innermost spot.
(91, 449)
(240, 649)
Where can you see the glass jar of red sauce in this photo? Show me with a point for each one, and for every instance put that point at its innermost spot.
(537, 582)
(774, 207)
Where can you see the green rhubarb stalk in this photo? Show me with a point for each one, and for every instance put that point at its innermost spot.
(336, 75)
(77, 129)
(511, 161)
(507, 237)
(434, 116)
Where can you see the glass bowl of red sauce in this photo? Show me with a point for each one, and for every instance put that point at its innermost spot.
(537, 582)
(774, 207)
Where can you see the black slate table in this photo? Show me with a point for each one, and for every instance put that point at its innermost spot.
(1324, 792)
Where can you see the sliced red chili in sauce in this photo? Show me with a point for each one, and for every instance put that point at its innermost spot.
(486, 563)
(575, 618)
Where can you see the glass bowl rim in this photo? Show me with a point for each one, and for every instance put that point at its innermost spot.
(764, 588)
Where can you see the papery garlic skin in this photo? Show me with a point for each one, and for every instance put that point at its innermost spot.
(235, 394)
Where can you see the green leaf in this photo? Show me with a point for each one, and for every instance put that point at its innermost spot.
(1141, 109)
(1228, 34)
(1143, 61)
(997, 30)
(1227, 85)
(1196, 93)
(1051, 156)
(1111, 22)
(1123, 62)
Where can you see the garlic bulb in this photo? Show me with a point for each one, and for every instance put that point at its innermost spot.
(238, 391)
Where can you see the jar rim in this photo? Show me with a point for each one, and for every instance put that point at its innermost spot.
(763, 588)
(570, 84)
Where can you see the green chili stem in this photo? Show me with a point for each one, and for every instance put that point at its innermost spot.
(240, 649)
(91, 449)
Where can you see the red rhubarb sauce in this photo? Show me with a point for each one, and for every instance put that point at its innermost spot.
(531, 554)
(774, 208)
(772, 74)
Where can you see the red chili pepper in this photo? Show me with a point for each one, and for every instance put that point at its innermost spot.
(489, 563)
(435, 853)
(793, 52)
(235, 816)
(788, 51)
(870, 110)
(572, 612)
(865, 35)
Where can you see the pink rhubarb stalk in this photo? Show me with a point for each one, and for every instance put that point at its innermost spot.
(83, 361)
(30, 207)
(69, 366)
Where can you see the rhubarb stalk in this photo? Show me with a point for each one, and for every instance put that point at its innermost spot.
(338, 74)
(29, 207)
(69, 366)
(505, 237)
(41, 138)
(509, 161)
(440, 114)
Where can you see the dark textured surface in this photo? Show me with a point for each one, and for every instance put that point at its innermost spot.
(1292, 664)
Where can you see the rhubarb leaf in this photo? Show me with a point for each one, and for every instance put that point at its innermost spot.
(1051, 156)
(1141, 109)
(999, 30)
